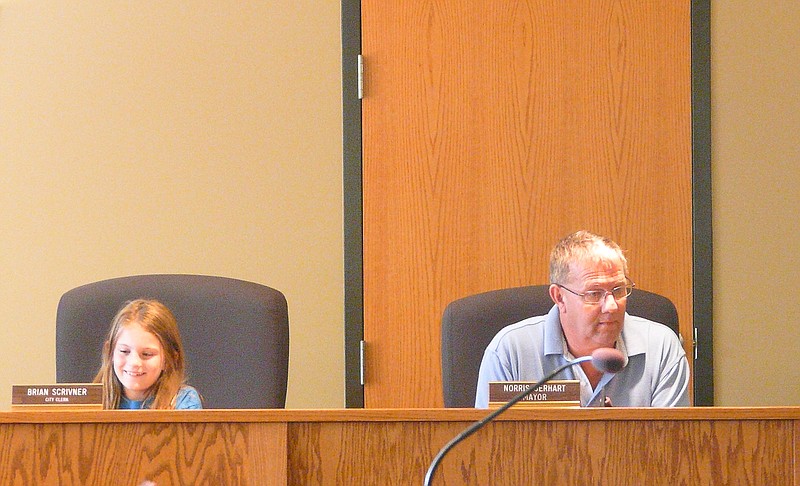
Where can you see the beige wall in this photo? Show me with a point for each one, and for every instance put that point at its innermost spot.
(149, 136)
(756, 201)
(192, 137)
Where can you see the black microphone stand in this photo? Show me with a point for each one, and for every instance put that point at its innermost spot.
(477, 425)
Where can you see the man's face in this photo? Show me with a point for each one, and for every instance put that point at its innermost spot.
(591, 326)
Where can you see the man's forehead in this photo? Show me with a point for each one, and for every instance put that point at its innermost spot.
(597, 266)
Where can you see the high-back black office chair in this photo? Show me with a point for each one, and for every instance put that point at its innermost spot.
(235, 334)
(470, 323)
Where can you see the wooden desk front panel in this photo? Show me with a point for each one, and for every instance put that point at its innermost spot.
(561, 452)
(130, 453)
(377, 447)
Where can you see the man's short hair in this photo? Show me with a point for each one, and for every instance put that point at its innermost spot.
(576, 247)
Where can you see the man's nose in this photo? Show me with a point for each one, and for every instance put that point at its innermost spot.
(609, 303)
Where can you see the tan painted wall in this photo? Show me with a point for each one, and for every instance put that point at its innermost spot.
(756, 201)
(190, 137)
(184, 137)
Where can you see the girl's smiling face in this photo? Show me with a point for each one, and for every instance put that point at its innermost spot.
(138, 360)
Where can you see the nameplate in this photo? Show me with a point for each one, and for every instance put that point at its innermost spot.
(556, 393)
(59, 396)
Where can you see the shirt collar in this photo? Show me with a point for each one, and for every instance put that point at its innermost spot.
(556, 343)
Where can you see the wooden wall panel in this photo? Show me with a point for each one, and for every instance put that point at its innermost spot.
(494, 128)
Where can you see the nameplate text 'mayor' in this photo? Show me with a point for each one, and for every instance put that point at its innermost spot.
(556, 393)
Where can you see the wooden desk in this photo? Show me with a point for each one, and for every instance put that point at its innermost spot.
(390, 447)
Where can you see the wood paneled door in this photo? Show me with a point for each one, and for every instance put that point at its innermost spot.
(493, 128)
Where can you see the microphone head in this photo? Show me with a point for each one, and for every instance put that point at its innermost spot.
(608, 360)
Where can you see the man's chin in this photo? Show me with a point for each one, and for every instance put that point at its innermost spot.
(611, 330)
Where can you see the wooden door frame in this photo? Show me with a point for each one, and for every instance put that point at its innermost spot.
(701, 204)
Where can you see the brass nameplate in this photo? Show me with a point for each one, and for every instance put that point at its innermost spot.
(59, 396)
(556, 393)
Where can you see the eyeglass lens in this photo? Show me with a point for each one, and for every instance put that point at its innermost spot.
(595, 296)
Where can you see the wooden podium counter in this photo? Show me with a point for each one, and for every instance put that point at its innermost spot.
(393, 447)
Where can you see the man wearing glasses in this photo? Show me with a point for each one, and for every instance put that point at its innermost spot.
(590, 287)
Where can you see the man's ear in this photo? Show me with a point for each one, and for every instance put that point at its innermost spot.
(556, 295)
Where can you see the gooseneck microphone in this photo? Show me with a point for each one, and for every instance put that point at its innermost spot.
(607, 360)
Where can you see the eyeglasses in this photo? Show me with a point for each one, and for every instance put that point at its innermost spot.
(598, 296)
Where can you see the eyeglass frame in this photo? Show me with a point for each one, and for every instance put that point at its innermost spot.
(628, 285)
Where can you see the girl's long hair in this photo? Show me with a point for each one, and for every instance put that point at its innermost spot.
(156, 318)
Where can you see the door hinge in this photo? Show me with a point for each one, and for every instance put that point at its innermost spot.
(361, 353)
(360, 77)
(694, 342)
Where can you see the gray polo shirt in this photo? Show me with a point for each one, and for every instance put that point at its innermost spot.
(656, 373)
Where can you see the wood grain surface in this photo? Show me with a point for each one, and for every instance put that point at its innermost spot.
(492, 129)
(395, 446)
(131, 453)
(552, 453)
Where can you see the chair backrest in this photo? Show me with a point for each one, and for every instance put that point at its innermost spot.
(470, 323)
(235, 334)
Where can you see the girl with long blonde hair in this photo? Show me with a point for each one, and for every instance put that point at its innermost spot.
(143, 361)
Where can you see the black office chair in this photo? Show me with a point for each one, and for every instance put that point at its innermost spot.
(235, 334)
(470, 323)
